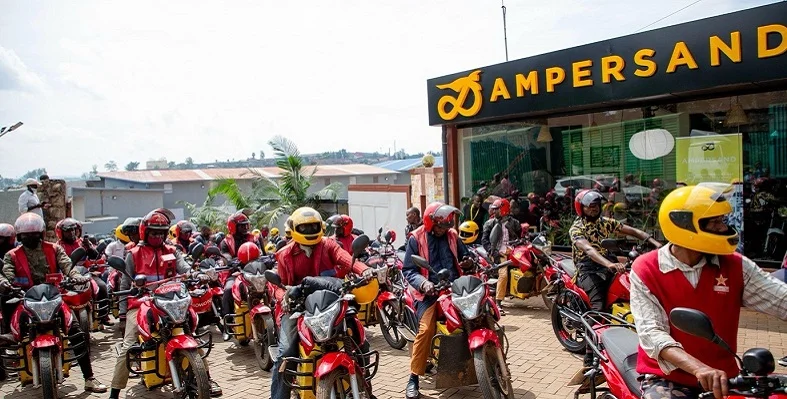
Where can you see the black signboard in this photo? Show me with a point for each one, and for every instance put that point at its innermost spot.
(744, 47)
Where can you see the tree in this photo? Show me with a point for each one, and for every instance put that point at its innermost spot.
(262, 154)
(253, 155)
(111, 166)
(207, 214)
(171, 164)
(189, 162)
(34, 174)
(271, 199)
(132, 166)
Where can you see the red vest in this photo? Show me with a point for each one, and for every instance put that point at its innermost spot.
(230, 240)
(147, 261)
(347, 242)
(718, 294)
(70, 248)
(22, 276)
(319, 262)
(423, 251)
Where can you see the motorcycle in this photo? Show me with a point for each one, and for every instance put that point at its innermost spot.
(469, 346)
(41, 353)
(168, 351)
(615, 344)
(252, 320)
(571, 301)
(83, 298)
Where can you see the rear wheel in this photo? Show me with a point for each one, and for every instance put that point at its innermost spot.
(389, 326)
(336, 385)
(261, 344)
(566, 312)
(491, 369)
(47, 372)
(548, 293)
(193, 375)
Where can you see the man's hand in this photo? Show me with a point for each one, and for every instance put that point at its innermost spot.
(368, 274)
(466, 263)
(618, 267)
(5, 285)
(427, 287)
(203, 278)
(713, 380)
(86, 244)
(80, 279)
(45, 205)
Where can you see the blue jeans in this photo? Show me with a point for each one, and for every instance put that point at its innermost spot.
(288, 337)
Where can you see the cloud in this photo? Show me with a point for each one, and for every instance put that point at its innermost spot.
(15, 75)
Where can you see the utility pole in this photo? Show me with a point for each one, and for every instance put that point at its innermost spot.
(505, 34)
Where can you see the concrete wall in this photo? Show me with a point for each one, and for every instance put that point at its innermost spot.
(372, 207)
(93, 203)
(427, 184)
(9, 206)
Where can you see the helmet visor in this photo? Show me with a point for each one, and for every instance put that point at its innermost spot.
(309, 228)
(718, 209)
(444, 216)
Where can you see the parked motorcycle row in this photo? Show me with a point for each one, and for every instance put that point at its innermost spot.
(177, 315)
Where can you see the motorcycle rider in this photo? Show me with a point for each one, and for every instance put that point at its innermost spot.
(413, 216)
(29, 264)
(343, 231)
(131, 229)
(7, 238)
(183, 231)
(439, 244)
(156, 261)
(238, 226)
(594, 264)
(204, 235)
(309, 254)
(118, 247)
(275, 236)
(468, 232)
(698, 269)
(474, 212)
(500, 214)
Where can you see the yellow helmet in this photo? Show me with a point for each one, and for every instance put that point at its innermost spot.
(367, 293)
(468, 231)
(270, 248)
(120, 236)
(274, 232)
(306, 225)
(287, 229)
(684, 214)
(173, 236)
(255, 232)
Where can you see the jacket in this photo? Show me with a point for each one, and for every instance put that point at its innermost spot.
(26, 268)
(514, 232)
(326, 256)
(155, 263)
(440, 256)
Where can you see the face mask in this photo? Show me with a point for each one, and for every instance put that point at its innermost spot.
(30, 242)
(32, 190)
(155, 241)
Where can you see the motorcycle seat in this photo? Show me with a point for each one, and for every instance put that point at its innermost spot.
(568, 267)
(621, 345)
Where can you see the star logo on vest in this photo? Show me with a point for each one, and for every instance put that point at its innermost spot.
(721, 284)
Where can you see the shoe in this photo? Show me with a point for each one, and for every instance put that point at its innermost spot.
(783, 362)
(94, 385)
(106, 322)
(226, 337)
(412, 392)
(215, 389)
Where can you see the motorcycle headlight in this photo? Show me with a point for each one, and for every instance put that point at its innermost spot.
(321, 324)
(382, 274)
(391, 261)
(469, 303)
(256, 281)
(45, 309)
(176, 309)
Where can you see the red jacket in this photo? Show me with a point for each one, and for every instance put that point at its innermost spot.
(23, 277)
(229, 246)
(70, 248)
(326, 255)
(718, 294)
(347, 242)
(155, 263)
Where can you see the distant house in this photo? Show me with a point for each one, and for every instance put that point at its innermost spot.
(406, 167)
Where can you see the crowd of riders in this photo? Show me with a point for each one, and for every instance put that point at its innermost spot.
(315, 253)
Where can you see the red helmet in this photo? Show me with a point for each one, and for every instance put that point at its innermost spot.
(68, 224)
(502, 206)
(234, 220)
(343, 222)
(439, 214)
(158, 219)
(586, 198)
(184, 226)
(248, 252)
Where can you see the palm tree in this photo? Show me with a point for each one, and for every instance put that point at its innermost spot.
(207, 214)
(270, 200)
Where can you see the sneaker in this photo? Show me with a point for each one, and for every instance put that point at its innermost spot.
(225, 336)
(94, 385)
(783, 362)
(215, 389)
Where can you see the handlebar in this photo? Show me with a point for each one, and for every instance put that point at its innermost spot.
(754, 386)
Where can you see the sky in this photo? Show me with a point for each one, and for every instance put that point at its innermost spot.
(97, 80)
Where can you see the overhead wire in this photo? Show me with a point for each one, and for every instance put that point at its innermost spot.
(667, 16)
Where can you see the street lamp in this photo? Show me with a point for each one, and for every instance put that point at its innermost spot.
(6, 129)
(505, 35)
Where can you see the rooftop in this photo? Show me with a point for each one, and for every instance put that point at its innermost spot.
(184, 175)
(406, 165)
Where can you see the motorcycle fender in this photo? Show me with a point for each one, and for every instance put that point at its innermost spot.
(45, 341)
(217, 291)
(481, 337)
(260, 309)
(236, 294)
(68, 315)
(179, 342)
(94, 286)
(333, 361)
(384, 297)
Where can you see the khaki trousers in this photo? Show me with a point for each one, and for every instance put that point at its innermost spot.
(423, 341)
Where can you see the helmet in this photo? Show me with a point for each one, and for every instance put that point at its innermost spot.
(120, 235)
(6, 230)
(342, 223)
(66, 225)
(439, 214)
(173, 235)
(586, 198)
(502, 206)
(157, 219)
(131, 226)
(468, 231)
(184, 226)
(248, 252)
(287, 229)
(306, 225)
(29, 222)
(684, 213)
(367, 293)
(255, 232)
(270, 247)
(234, 220)
(274, 232)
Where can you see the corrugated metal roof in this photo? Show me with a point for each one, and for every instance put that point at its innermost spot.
(179, 175)
(406, 165)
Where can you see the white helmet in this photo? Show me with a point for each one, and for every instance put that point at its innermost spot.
(29, 223)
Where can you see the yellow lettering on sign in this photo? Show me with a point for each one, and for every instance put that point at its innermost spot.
(499, 90)
(641, 58)
(579, 73)
(681, 56)
(555, 76)
(612, 66)
(529, 82)
(718, 46)
(762, 40)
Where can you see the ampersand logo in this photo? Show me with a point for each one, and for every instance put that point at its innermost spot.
(463, 87)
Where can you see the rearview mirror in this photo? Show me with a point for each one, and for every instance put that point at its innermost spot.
(359, 245)
(497, 233)
(610, 244)
(101, 247)
(696, 323)
(197, 251)
(77, 255)
(390, 236)
(273, 278)
(443, 274)
(213, 251)
(140, 280)
(280, 244)
(421, 262)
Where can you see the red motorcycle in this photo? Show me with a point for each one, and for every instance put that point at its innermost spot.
(571, 301)
(470, 345)
(167, 351)
(83, 298)
(615, 343)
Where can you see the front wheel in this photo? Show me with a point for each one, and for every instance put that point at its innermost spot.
(389, 326)
(85, 324)
(337, 385)
(494, 378)
(566, 311)
(262, 342)
(47, 372)
(548, 293)
(193, 375)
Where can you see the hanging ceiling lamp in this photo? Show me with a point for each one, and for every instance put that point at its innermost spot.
(544, 136)
(736, 116)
